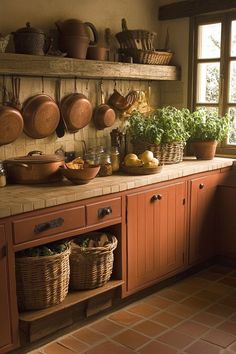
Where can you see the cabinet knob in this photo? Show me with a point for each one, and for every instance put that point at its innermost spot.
(201, 186)
(104, 211)
(156, 197)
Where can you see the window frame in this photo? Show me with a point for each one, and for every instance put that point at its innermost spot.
(225, 18)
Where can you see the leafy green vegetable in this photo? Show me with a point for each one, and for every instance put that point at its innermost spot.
(208, 125)
(46, 250)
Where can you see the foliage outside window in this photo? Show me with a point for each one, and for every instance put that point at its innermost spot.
(213, 70)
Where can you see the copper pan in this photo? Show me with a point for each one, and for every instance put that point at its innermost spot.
(41, 115)
(104, 116)
(76, 111)
(11, 121)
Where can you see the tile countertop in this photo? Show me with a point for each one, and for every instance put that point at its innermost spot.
(17, 199)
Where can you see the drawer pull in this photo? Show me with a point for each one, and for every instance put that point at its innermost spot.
(48, 225)
(201, 186)
(104, 211)
(156, 197)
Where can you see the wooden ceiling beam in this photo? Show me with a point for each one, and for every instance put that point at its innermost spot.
(190, 8)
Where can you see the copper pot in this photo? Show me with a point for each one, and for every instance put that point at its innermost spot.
(34, 168)
(104, 116)
(41, 116)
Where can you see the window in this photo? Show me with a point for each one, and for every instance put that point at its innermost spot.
(213, 68)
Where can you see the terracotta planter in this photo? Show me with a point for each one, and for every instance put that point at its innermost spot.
(204, 150)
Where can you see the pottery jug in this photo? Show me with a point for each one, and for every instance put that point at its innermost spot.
(74, 37)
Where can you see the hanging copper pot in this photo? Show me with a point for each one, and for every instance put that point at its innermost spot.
(104, 116)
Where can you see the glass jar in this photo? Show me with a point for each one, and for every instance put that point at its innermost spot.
(105, 165)
(3, 179)
(115, 158)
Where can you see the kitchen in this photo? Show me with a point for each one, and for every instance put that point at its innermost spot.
(21, 207)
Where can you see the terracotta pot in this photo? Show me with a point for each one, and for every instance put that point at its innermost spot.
(204, 150)
(97, 53)
(74, 37)
(34, 168)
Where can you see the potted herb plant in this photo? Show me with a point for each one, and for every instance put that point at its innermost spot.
(207, 128)
(163, 131)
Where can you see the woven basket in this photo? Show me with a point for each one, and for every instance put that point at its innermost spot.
(136, 38)
(42, 281)
(168, 153)
(148, 56)
(91, 267)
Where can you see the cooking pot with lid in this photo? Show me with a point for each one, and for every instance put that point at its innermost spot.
(34, 168)
(30, 40)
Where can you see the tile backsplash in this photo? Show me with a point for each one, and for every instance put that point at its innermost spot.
(71, 142)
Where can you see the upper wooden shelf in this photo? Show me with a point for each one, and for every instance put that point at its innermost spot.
(48, 66)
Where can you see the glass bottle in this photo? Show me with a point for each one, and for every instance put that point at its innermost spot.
(115, 158)
(3, 180)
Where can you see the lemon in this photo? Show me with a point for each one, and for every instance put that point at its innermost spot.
(146, 156)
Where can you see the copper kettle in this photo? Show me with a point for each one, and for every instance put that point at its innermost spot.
(74, 37)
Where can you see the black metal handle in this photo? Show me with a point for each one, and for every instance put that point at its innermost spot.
(48, 225)
(156, 197)
(104, 211)
(201, 186)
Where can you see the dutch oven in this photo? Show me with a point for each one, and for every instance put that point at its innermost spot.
(34, 168)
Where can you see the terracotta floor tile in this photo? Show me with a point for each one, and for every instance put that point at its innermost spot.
(219, 288)
(131, 339)
(181, 310)
(173, 295)
(202, 347)
(229, 301)
(233, 318)
(208, 295)
(149, 328)
(230, 281)
(158, 301)
(143, 309)
(55, 348)
(125, 318)
(195, 302)
(233, 274)
(167, 319)
(74, 344)
(233, 347)
(87, 335)
(106, 327)
(187, 288)
(207, 318)
(221, 269)
(220, 310)
(218, 337)
(209, 275)
(175, 339)
(228, 326)
(156, 347)
(191, 328)
(109, 348)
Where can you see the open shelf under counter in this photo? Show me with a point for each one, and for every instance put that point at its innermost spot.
(53, 66)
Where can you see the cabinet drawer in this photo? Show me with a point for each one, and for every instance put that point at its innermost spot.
(36, 227)
(103, 211)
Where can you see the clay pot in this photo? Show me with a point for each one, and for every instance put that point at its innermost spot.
(204, 150)
(74, 37)
(97, 53)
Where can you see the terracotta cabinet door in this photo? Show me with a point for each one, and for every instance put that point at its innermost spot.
(5, 312)
(203, 220)
(155, 234)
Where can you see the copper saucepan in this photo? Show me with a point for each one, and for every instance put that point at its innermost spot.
(104, 116)
(76, 111)
(41, 115)
(11, 121)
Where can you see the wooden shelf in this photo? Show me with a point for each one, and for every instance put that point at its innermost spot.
(73, 298)
(48, 66)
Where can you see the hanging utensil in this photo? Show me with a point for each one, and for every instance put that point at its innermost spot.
(104, 115)
(60, 130)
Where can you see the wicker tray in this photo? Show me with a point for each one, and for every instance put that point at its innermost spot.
(148, 56)
(91, 267)
(140, 170)
(42, 281)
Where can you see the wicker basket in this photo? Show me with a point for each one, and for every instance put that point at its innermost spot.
(168, 153)
(91, 267)
(148, 56)
(42, 281)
